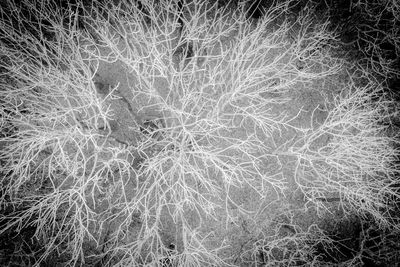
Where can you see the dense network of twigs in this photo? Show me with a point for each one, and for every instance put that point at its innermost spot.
(70, 186)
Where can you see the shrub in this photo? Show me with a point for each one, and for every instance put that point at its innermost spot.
(159, 133)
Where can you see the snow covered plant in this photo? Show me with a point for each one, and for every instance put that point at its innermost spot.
(184, 133)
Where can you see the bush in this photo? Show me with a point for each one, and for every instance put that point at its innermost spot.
(185, 134)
